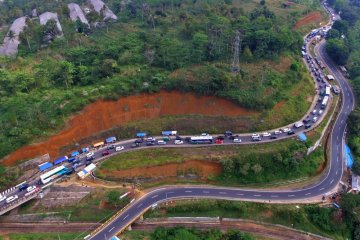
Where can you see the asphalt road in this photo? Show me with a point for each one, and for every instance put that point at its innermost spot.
(328, 182)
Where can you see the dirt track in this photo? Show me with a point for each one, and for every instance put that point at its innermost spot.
(103, 115)
(310, 18)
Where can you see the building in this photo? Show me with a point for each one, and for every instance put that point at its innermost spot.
(355, 183)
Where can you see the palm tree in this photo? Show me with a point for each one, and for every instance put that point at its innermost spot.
(11, 35)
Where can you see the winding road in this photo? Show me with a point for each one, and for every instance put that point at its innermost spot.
(327, 183)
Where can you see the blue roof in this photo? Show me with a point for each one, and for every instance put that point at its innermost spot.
(44, 166)
(166, 133)
(73, 154)
(110, 139)
(60, 159)
(115, 238)
(302, 137)
(141, 134)
(348, 156)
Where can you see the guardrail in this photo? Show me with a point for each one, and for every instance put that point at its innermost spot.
(17, 203)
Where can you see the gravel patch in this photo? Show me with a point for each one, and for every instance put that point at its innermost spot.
(10, 46)
(98, 5)
(77, 13)
(46, 16)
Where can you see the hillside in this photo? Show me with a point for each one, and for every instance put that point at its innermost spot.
(174, 45)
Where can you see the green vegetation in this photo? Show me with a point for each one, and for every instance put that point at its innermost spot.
(92, 208)
(311, 218)
(144, 51)
(262, 163)
(42, 236)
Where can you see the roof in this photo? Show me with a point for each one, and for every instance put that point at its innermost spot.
(302, 137)
(45, 165)
(348, 157)
(355, 182)
(115, 238)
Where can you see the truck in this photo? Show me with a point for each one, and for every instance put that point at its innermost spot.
(324, 102)
(298, 124)
(86, 171)
(60, 160)
(169, 133)
(110, 140)
(98, 144)
(327, 90)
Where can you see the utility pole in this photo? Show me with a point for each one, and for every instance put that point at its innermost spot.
(235, 64)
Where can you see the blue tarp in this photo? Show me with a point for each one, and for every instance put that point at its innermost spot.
(302, 137)
(44, 166)
(110, 140)
(141, 134)
(115, 238)
(60, 160)
(348, 156)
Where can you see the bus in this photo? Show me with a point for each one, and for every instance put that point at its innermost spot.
(201, 139)
(53, 174)
(324, 102)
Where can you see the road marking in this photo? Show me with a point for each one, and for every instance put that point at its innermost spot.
(331, 181)
(307, 194)
(291, 195)
(274, 196)
(206, 192)
(337, 138)
(321, 189)
(337, 159)
(188, 191)
(111, 229)
(139, 205)
(155, 196)
(125, 217)
(222, 192)
(240, 194)
(342, 121)
(257, 195)
(336, 172)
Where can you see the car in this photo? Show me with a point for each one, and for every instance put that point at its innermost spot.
(256, 139)
(90, 154)
(87, 163)
(88, 159)
(273, 136)
(161, 142)
(266, 134)
(23, 187)
(233, 137)
(31, 188)
(277, 132)
(178, 142)
(291, 132)
(150, 143)
(237, 140)
(219, 141)
(149, 139)
(228, 133)
(178, 138)
(105, 153)
(255, 135)
(221, 138)
(2, 198)
(320, 112)
(204, 134)
(11, 199)
(306, 120)
(112, 146)
(314, 111)
(135, 145)
(307, 126)
(140, 140)
(119, 148)
(315, 119)
(285, 130)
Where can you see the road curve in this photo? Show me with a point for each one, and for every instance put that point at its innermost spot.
(327, 183)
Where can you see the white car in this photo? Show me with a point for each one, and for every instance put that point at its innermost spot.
(285, 130)
(266, 134)
(11, 199)
(314, 111)
(277, 132)
(150, 139)
(315, 119)
(255, 135)
(119, 148)
(2, 198)
(237, 140)
(161, 142)
(90, 154)
(204, 134)
(177, 142)
(31, 188)
(320, 112)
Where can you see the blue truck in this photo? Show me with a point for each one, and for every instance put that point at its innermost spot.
(60, 160)
(110, 140)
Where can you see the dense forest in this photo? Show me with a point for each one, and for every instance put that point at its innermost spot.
(45, 83)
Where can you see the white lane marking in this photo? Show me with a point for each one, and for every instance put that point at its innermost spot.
(337, 138)
(291, 195)
(125, 217)
(342, 121)
(307, 194)
(155, 196)
(257, 195)
(111, 229)
(337, 159)
(139, 205)
(169, 192)
(188, 191)
(331, 181)
(222, 192)
(274, 196)
(321, 189)
(240, 194)
(206, 192)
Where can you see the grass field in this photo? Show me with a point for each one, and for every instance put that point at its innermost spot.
(304, 217)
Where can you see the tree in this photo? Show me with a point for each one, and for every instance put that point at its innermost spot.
(64, 74)
(199, 41)
(341, 26)
(112, 197)
(256, 168)
(332, 33)
(338, 50)
(356, 167)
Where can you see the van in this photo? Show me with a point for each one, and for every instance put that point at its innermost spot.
(314, 111)
(11, 199)
(23, 187)
(119, 148)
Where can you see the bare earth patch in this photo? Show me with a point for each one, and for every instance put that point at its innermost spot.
(310, 18)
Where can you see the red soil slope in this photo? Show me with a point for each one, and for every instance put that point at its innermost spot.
(312, 17)
(103, 115)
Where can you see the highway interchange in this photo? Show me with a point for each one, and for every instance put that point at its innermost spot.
(326, 184)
